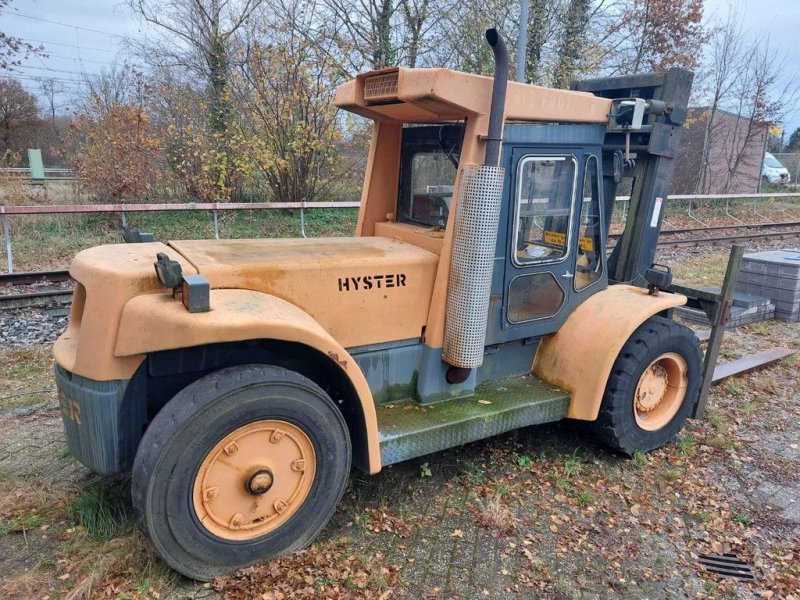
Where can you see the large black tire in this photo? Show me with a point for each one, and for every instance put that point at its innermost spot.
(617, 424)
(181, 438)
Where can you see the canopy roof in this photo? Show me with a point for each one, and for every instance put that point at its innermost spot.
(433, 95)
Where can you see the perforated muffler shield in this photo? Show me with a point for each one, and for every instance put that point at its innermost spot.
(469, 286)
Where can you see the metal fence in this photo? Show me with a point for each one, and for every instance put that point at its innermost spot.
(691, 206)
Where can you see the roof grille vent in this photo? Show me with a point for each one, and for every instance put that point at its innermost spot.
(381, 87)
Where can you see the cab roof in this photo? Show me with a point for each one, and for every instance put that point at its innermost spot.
(435, 95)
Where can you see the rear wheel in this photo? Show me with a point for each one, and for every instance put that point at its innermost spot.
(654, 385)
(242, 465)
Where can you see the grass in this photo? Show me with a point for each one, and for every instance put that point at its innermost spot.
(21, 524)
(573, 465)
(24, 376)
(524, 461)
(687, 446)
(65, 235)
(102, 510)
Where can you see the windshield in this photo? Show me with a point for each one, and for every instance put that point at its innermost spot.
(772, 162)
(429, 162)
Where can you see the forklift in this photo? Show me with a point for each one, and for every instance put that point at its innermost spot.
(239, 380)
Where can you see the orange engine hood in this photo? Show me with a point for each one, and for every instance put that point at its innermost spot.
(363, 290)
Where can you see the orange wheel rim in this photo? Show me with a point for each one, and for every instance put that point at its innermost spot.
(660, 391)
(254, 479)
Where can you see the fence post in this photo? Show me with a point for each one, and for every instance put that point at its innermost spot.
(123, 219)
(9, 250)
(216, 223)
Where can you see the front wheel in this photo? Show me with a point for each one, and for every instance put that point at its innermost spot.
(242, 465)
(654, 384)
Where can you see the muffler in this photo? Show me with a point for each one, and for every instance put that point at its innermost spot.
(475, 237)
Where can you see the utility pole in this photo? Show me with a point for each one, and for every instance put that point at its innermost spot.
(522, 40)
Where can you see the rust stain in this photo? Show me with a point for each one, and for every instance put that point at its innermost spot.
(335, 358)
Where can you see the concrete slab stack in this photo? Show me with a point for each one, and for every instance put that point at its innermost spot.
(776, 275)
(746, 309)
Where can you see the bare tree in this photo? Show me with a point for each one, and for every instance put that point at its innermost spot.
(13, 49)
(368, 29)
(199, 35)
(760, 101)
(112, 86)
(724, 68)
(51, 89)
(740, 86)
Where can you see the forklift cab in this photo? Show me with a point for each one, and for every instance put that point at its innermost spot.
(549, 255)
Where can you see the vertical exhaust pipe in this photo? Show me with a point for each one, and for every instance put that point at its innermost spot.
(475, 237)
(499, 87)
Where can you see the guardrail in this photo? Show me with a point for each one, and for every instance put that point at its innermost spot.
(216, 207)
(50, 174)
(122, 209)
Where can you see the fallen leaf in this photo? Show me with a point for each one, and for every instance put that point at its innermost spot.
(457, 533)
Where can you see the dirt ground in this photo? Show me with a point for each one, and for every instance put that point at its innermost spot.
(544, 512)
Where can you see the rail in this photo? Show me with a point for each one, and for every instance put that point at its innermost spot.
(216, 207)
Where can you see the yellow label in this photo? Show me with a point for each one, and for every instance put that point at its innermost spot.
(560, 239)
(555, 238)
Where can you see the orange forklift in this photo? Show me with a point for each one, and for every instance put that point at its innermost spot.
(239, 380)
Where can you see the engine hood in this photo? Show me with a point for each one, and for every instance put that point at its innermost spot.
(363, 290)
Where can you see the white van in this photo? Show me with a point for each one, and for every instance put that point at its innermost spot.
(773, 171)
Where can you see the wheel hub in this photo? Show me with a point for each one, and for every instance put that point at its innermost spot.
(254, 479)
(260, 482)
(651, 388)
(660, 391)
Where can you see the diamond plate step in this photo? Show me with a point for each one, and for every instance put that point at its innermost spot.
(408, 429)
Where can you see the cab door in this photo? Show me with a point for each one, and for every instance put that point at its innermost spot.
(539, 266)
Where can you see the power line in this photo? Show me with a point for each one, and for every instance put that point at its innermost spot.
(50, 70)
(16, 13)
(40, 79)
(69, 46)
(78, 59)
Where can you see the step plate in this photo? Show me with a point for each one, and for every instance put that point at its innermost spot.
(409, 429)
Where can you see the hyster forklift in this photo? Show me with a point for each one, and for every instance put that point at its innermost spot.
(239, 379)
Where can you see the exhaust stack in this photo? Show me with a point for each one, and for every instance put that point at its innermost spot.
(475, 237)
(499, 87)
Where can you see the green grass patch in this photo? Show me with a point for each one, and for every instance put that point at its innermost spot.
(66, 235)
(102, 510)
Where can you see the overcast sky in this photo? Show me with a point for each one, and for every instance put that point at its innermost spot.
(85, 35)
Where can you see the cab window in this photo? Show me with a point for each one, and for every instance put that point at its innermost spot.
(428, 173)
(545, 192)
(432, 179)
(588, 262)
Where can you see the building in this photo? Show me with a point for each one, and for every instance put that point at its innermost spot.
(733, 148)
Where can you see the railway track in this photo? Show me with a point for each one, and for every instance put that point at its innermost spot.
(694, 236)
(42, 289)
(49, 289)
